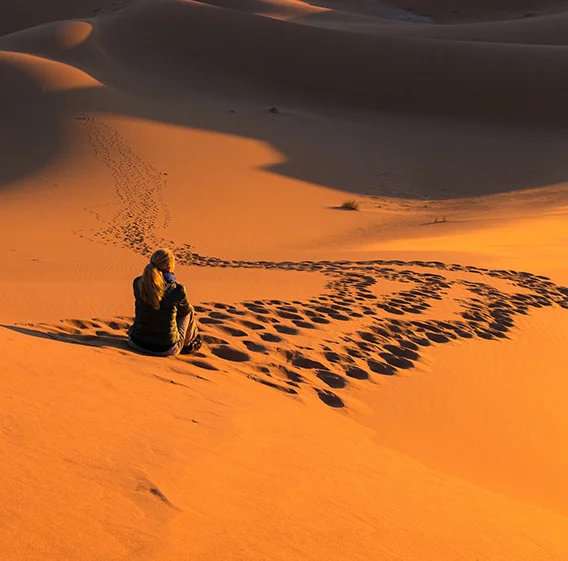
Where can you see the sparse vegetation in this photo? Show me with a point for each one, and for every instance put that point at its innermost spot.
(351, 204)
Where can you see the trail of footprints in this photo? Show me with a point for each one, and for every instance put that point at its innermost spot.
(377, 335)
(355, 336)
(139, 210)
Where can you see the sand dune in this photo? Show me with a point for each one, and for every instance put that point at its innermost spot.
(185, 43)
(16, 15)
(449, 12)
(203, 459)
(336, 67)
(381, 384)
(330, 66)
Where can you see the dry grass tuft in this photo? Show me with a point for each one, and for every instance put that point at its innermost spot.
(350, 205)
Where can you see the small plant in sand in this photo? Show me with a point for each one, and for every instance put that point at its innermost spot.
(350, 205)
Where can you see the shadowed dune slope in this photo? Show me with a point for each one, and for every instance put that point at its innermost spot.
(451, 11)
(417, 11)
(218, 50)
(545, 30)
(214, 49)
(384, 155)
(16, 15)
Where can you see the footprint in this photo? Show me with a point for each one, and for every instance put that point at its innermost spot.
(292, 375)
(118, 325)
(319, 319)
(202, 364)
(233, 332)
(354, 352)
(422, 341)
(236, 312)
(256, 309)
(254, 347)
(332, 356)
(304, 362)
(253, 325)
(364, 346)
(220, 315)
(270, 337)
(211, 340)
(329, 398)
(437, 337)
(289, 315)
(339, 317)
(381, 368)
(304, 324)
(396, 361)
(209, 321)
(230, 353)
(331, 379)
(366, 336)
(408, 345)
(145, 485)
(356, 372)
(285, 389)
(81, 324)
(286, 329)
(402, 352)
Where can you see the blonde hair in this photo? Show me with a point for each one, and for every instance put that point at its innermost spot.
(151, 286)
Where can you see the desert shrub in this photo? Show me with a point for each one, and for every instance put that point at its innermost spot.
(350, 205)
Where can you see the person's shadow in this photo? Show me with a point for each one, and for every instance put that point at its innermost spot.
(99, 340)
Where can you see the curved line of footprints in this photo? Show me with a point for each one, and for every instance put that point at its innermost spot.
(354, 333)
(380, 335)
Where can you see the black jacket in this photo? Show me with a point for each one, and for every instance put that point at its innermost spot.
(157, 330)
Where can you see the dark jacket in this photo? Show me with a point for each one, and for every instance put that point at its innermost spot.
(157, 330)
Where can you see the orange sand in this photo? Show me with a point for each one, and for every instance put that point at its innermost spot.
(382, 384)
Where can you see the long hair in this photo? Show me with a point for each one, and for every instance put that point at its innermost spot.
(151, 285)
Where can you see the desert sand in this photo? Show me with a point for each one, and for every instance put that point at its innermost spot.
(381, 384)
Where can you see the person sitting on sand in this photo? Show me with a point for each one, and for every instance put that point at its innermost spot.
(164, 324)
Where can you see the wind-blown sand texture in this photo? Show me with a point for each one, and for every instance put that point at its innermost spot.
(387, 383)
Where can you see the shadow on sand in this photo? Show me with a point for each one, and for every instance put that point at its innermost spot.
(185, 79)
(91, 340)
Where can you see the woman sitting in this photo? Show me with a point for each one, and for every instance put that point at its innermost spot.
(164, 324)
